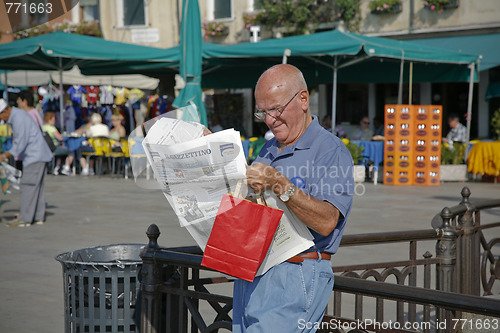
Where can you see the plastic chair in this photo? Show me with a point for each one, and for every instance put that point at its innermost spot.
(102, 149)
(118, 157)
(137, 158)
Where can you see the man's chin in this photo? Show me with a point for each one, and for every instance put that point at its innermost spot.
(281, 137)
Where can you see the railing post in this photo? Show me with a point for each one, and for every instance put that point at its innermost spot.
(151, 280)
(446, 251)
(469, 252)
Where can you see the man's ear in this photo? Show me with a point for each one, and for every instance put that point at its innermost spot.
(304, 99)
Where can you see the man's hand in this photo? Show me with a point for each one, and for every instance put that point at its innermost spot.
(206, 131)
(261, 177)
(318, 215)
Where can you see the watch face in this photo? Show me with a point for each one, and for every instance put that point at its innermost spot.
(284, 197)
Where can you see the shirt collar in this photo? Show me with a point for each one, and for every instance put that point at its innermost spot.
(304, 142)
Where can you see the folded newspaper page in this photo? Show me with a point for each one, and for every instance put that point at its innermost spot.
(195, 171)
(291, 237)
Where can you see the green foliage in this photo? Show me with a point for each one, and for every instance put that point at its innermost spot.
(383, 6)
(348, 10)
(90, 28)
(303, 16)
(356, 152)
(435, 5)
(495, 124)
(453, 154)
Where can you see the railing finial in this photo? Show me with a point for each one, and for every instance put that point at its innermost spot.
(465, 195)
(446, 216)
(153, 233)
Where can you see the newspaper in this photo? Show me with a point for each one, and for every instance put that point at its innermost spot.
(194, 174)
(195, 171)
(12, 174)
(291, 237)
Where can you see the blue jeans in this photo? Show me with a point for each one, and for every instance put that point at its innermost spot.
(290, 297)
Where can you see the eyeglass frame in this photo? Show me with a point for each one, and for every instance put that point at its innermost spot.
(261, 114)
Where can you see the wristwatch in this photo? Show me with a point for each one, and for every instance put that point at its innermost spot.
(288, 194)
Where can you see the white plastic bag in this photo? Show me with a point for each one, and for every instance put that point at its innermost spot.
(13, 175)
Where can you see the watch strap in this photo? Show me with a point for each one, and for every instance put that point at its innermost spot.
(289, 192)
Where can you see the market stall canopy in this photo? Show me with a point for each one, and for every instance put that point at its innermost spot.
(62, 51)
(151, 68)
(487, 45)
(38, 78)
(357, 58)
(25, 78)
(74, 76)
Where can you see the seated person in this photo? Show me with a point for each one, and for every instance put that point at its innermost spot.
(326, 123)
(92, 130)
(364, 132)
(457, 133)
(50, 119)
(117, 132)
(215, 124)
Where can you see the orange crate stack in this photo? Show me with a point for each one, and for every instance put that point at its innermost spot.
(412, 148)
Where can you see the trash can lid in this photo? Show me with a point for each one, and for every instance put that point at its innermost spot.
(115, 254)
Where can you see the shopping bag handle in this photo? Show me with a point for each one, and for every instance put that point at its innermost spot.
(238, 193)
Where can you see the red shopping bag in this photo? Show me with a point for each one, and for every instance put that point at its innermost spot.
(241, 235)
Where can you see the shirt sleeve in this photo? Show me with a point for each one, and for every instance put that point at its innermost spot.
(20, 138)
(462, 134)
(449, 136)
(334, 181)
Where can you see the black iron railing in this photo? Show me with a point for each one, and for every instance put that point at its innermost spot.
(177, 295)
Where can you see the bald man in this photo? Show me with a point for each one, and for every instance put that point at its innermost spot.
(311, 171)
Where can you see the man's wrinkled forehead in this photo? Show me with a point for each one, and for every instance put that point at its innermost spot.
(270, 84)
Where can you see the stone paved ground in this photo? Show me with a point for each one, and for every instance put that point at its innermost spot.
(92, 211)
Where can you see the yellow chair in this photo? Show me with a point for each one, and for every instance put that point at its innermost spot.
(118, 157)
(102, 150)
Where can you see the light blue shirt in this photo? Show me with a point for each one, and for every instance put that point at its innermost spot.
(27, 140)
(320, 165)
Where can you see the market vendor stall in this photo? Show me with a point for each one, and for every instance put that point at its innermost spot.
(484, 158)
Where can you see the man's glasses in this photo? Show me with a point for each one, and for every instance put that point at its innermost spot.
(366, 122)
(275, 112)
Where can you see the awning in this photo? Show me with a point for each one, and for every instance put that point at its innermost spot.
(357, 58)
(493, 90)
(488, 46)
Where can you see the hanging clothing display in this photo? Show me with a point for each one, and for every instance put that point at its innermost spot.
(135, 95)
(157, 106)
(92, 93)
(106, 95)
(75, 92)
(121, 95)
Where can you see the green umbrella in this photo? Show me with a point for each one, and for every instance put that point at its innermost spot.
(190, 60)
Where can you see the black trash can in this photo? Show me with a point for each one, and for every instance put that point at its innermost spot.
(101, 288)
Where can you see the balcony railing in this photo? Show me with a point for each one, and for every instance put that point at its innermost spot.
(179, 295)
